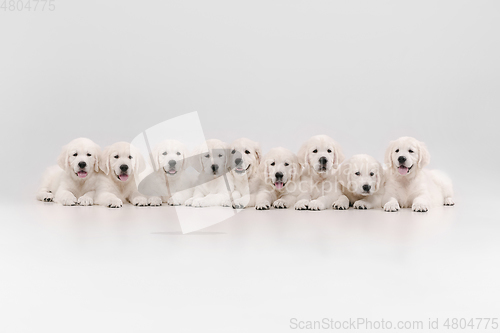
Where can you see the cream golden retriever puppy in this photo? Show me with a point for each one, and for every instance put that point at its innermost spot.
(211, 161)
(361, 179)
(408, 183)
(74, 180)
(245, 159)
(120, 163)
(175, 186)
(320, 157)
(280, 175)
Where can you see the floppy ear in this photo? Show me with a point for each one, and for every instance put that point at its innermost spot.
(258, 153)
(388, 155)
(342, 172)
(97, 154)
(155, 157)
(63, 159)
(104, 161)
(339, 156)
(262, 170)
(139, 162)
(196, 158)
(302, 154)
(381, 177)
(423, 155)
(185, 154)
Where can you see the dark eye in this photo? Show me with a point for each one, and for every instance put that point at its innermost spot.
(75, 154)
(207, 155)
(357, 173)
(286, 164)
(273, 164)
(116, 156)
(247, 151)
(178, 153)
(410, 151)
(164, 153)
(397, 150)
(220, 155)
(130, 156)
(233, 151)
(329, 150)
(372, 174)
(315, 151)
(89, 154)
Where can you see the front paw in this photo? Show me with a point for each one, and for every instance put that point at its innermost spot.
(360, 204)
(449, 202)
(114, 203)
(198, 202)
(419, 207)
(47, 197)
(317, 205)
(189, 202)
(154, 201)
(263, 205)
(341, 204)
(280, 204)
(174, 201)
(68, 200)
(139, 201)
(302, 204)
(85, 201)
(227, 203)
(240, 203)
(391, 206)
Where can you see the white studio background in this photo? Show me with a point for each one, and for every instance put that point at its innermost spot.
(277, 72)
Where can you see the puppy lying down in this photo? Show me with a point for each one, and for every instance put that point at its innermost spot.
(244, 166)
(121, 163)
(74, 180)
(280, 172)
(409, 184)
(170, 183)
(361, 180)
(319, 157)
(211, 161)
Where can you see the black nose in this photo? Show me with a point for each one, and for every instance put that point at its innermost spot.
(401, 159)
(215, 167)
(323, 160)
(238, 161)
(82, 165)
(278, 175)
(123, 167)
(172, 163)
(366, 188)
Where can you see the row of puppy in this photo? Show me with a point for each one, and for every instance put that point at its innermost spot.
(316, 178)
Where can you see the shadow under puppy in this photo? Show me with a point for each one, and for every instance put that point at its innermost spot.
(74, 180)
(211, 161)
(362, 180)
(245, 159)
(170, 183)
(280, 172)
(121, 163)
(320, 157)
(408, 183)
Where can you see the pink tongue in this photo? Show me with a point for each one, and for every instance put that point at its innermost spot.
(123, 177)
(171, 171)
(403, 170)
(82, 174)
(279, 186)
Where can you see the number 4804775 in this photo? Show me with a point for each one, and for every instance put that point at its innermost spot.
(27, 5)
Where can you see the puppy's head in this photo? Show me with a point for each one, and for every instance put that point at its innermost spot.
(361, 174)
(80, 158)
(406, 155)
(121, 161)
(245, 157)
(170, 157)
(211, 158)
(320, 153)
(279, 168)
